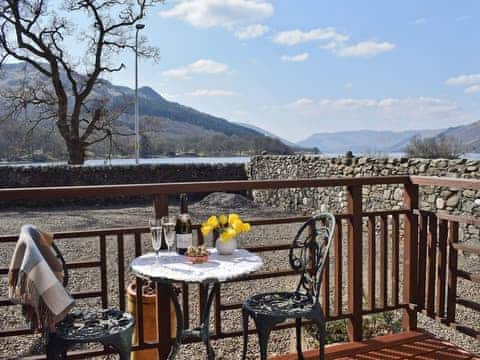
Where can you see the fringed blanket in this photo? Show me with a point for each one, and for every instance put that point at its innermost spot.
(34, 279)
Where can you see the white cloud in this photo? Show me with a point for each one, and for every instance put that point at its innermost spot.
(212, 92)
(419, 21)
(295, 58)
(472, 89)
(333, 41)
(471, 82)
(301, 103)
(331, 46)
(222, 13)
(294, 37)
(251, 32)
(464, 80)
(202, 66)
(365, 49)
(420, 105)
(348, 85)
(348, 104)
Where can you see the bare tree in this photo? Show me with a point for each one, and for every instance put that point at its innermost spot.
(68, 89)
(442, 146)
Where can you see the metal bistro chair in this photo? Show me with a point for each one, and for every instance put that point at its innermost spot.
(111, 327)
(307, 257)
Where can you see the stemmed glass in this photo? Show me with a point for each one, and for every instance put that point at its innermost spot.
(168, 226)
(156, 231)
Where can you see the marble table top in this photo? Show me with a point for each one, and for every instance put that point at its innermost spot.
(173, 267)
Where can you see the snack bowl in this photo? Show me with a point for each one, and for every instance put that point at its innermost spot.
(197, 259)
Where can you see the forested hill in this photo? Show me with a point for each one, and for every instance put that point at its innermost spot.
(167, 127)
(153, 104)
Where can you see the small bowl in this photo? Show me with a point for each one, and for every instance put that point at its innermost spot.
(197, 259)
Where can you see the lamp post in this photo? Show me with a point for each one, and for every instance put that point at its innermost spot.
(137, 125)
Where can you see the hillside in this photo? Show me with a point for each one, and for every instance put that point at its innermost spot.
(363, 141)
(267, 133)
(151, 103)
(468, 135)
(171, 128)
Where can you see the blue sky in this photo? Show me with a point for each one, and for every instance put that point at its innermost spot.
(306, 66)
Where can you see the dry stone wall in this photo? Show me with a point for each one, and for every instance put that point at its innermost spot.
(40, 176)
(378, 197)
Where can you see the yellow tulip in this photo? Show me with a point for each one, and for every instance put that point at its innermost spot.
(213, 221)
(223, 219)
(238, 225)
(232, 218)
(206, 229)
(245, 227)
(228, 234)
(224, 237)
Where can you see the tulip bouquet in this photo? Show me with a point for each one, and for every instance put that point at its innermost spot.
(225, 227)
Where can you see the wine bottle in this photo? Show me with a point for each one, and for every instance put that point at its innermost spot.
(183, 227)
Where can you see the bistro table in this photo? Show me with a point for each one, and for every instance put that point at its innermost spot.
(170, 268)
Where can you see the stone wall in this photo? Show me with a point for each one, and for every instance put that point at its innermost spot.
(33, 176)
(378, 197)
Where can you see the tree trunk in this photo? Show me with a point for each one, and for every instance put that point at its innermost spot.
(76, 153)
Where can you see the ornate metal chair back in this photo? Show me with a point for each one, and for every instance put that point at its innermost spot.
(308, 253)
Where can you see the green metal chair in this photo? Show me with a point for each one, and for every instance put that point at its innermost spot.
(307, 257)
(111, 327)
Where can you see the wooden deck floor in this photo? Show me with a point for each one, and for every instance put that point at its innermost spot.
(406, 345)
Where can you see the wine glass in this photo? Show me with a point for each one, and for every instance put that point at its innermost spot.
(156, 231)
(168, 227)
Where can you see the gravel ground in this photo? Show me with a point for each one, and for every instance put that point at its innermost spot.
(80, 218)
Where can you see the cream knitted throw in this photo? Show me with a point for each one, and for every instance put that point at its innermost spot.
(34, 279)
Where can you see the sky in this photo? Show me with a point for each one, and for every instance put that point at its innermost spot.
(307, 66)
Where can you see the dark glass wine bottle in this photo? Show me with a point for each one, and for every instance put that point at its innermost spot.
(183, 227)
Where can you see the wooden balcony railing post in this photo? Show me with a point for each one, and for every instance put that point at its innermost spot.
(160, 208)
(355, 295)
(442, 267)
(452, 272)
(410, 250)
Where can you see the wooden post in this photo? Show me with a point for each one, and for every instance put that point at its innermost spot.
(442, 267)
(103, 271)
(160, 208)
(372, 268)
(354, 207)
(338, 246)
(410, 202)
(452, 273)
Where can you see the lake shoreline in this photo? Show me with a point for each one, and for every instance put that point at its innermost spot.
(197, 160)
(142, 161)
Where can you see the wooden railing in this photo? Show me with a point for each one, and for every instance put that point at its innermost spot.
(402, 250)
(438, 248)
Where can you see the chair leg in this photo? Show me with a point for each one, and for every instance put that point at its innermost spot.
(264, 326)
(298, 330)
(56, 348)
(319, 320)
(245, 333)
(321, 340)
(122, 343)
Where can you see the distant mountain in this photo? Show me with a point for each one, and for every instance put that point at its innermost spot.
(364, 141)
(468, 135)
(267, 133)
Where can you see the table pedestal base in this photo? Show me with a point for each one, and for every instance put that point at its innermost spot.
(202, 332)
